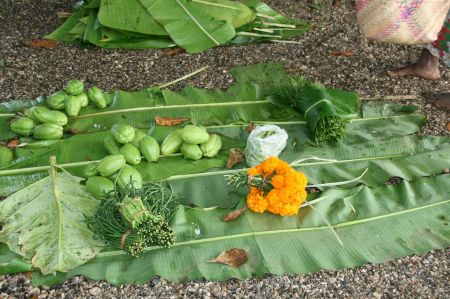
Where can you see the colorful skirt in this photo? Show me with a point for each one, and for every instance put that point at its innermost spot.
(441, 47)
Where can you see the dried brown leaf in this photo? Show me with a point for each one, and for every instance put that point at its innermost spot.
(44, 43)
(172, 51)
(233, 215)
(170, 121)
(250, 127)
(13, 143)
(234, 257)
(337, 3)
(236, 157)
(342, 53)
(448, 126)
(28, 275)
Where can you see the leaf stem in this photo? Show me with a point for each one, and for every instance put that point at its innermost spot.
(184, 77)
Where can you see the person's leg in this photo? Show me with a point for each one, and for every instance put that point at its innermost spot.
(426, 67)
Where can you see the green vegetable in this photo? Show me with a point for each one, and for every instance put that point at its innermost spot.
(111, 146)
(48, 131)
(73, 105)
(57, 100)
(42, 114)
(99, 186)
(22, 126)
(123, 133)
(39, 114)
(6, 156)
(131, 153)
(191, 151)
(111, 164)
(211, 147)
(139, 134)
(84, 100)
(75, 87)
(95, 94)
(129, 175)
(90, 170)
(149, 148)
(29, 112)
(194, 134)
(172, 143)
(57, 117)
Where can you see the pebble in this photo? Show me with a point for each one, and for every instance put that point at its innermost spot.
(29, 72)
(95, 291)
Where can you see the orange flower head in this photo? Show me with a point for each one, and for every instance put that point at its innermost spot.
(288, 191)
(278, 181)
(256, 200)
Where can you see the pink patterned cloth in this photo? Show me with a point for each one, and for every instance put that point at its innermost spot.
(441, 47)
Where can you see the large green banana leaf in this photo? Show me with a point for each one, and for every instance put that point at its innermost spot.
(195, 25)
(76, 151)
(374, 225)
(46, 223)
(235, 13)
(189, 27)
(128, 15)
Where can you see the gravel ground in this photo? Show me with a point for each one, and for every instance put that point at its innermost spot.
(29, 72)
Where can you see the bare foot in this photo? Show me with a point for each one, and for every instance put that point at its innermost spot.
(427, 67)
(439, 100)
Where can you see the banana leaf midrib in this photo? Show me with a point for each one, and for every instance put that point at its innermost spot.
(36, 169)
(215, 4)
(139, 109)
(284, 231)
(197, 23)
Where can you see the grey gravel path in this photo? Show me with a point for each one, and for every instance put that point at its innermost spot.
(30, 72)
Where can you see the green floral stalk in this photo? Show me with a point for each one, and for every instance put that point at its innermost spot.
(135, 219)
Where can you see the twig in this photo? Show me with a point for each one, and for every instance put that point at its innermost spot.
(393, 97)
(183, 78)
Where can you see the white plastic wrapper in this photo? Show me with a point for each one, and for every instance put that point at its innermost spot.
(264, 142)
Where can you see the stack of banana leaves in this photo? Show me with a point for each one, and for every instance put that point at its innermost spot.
(393, 200)
(194, 25)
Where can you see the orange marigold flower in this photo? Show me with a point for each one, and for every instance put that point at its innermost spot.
(256, 201)
(278, 181)
(270, 165)
(288, 191)
(254, 170)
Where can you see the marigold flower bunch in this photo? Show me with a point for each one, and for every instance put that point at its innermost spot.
(276, 187)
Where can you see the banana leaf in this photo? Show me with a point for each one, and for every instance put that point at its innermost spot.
(75, 152)
(194, 25)
(46, 223)
(128, 16)
(11, 262)
(241, 102)
(374, 225)
(189, 27)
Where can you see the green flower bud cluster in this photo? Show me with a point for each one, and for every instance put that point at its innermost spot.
(150, 229)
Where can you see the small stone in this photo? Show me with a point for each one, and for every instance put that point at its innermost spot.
(446, 170)
(376, 295)
(76, 280)
(95, 291)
